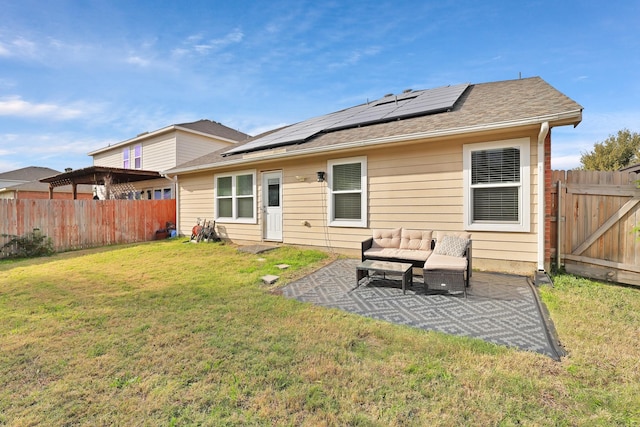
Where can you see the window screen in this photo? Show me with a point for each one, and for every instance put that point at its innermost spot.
(495, 185)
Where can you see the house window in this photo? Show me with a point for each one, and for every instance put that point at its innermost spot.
(125, 158)
(156, 194)
(496, 186)
(347, 187)
(137, 156)
(235, 197)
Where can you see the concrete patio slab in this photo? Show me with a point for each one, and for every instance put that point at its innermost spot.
(501, 309)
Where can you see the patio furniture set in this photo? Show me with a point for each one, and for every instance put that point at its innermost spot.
(444, 257)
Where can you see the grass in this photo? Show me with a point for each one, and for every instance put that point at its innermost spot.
(168, 333)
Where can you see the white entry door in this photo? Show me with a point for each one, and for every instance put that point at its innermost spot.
(272, 205)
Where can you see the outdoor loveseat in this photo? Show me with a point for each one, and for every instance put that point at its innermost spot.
(444, 257)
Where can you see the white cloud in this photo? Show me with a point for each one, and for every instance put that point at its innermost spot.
(136, 60)
(17, 107)
(356, 56)
(17, 47)
(565, 162)
(4, 51)
(55, 150)
(196, 43)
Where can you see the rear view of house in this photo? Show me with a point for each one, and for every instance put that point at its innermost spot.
(467, 157)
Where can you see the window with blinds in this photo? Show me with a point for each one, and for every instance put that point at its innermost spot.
(347, 188)
(495, 184)
(496, 180)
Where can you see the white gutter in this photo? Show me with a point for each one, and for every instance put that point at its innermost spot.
(174, 179)
(544, 131)
(569, 115)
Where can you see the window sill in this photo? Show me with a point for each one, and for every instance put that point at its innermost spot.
(236, 221)
(347, 224)
(496, 227)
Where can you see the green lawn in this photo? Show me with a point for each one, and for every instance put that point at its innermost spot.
(168, 333)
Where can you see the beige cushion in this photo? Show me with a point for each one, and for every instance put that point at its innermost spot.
(379, 252)
(399, 254)
(416, 240)
(445, 262)
(451, 245)
(386, 238)
(412, 254)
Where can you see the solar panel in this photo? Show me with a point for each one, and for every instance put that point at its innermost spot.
(297, 132)
(391, 107)
(430, 101)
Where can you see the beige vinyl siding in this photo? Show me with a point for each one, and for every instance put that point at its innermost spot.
(162, 152)
(191, 146)
(155, 184)
(159, 153)
(197, 201)
(109, 159)
(415, 186)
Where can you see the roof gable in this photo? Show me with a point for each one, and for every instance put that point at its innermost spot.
(205, 127)
(215, 129)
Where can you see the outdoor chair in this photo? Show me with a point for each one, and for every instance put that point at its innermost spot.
(449, 266)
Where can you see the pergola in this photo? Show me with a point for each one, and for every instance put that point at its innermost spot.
(98, 175)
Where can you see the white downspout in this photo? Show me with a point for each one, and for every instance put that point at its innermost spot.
(174, 179)
(544, 131)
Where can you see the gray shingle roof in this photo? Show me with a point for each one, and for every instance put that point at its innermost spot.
(492, 105)
(216, 129)
(30, 173)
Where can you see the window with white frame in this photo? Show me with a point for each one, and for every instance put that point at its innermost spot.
(137, 156)
(235, 197)
(347, 188)
(125, 158)
(496, 185)
(156, 193)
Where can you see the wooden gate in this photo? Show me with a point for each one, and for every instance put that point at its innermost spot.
(595, 216)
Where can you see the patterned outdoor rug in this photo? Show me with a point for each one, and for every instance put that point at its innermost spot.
(501, 309)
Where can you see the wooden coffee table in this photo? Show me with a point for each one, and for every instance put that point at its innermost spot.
(386, 267)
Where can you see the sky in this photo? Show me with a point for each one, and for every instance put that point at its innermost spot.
(76, 76)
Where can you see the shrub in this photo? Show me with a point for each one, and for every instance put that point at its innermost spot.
(29, 245)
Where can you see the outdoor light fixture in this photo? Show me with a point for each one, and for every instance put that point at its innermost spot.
(320, 176)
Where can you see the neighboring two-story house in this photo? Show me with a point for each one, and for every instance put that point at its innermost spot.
(160, 150)
(24, 183)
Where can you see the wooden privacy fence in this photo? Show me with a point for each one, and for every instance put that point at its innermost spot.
(77, 224)
(592, 232)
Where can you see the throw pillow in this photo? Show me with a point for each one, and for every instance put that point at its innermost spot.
(451, 245)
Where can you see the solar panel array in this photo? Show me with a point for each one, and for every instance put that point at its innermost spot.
(391, 107)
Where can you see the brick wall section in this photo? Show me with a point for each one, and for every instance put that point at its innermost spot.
(548, 184)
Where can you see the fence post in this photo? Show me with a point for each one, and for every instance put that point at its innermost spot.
(559, 226)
